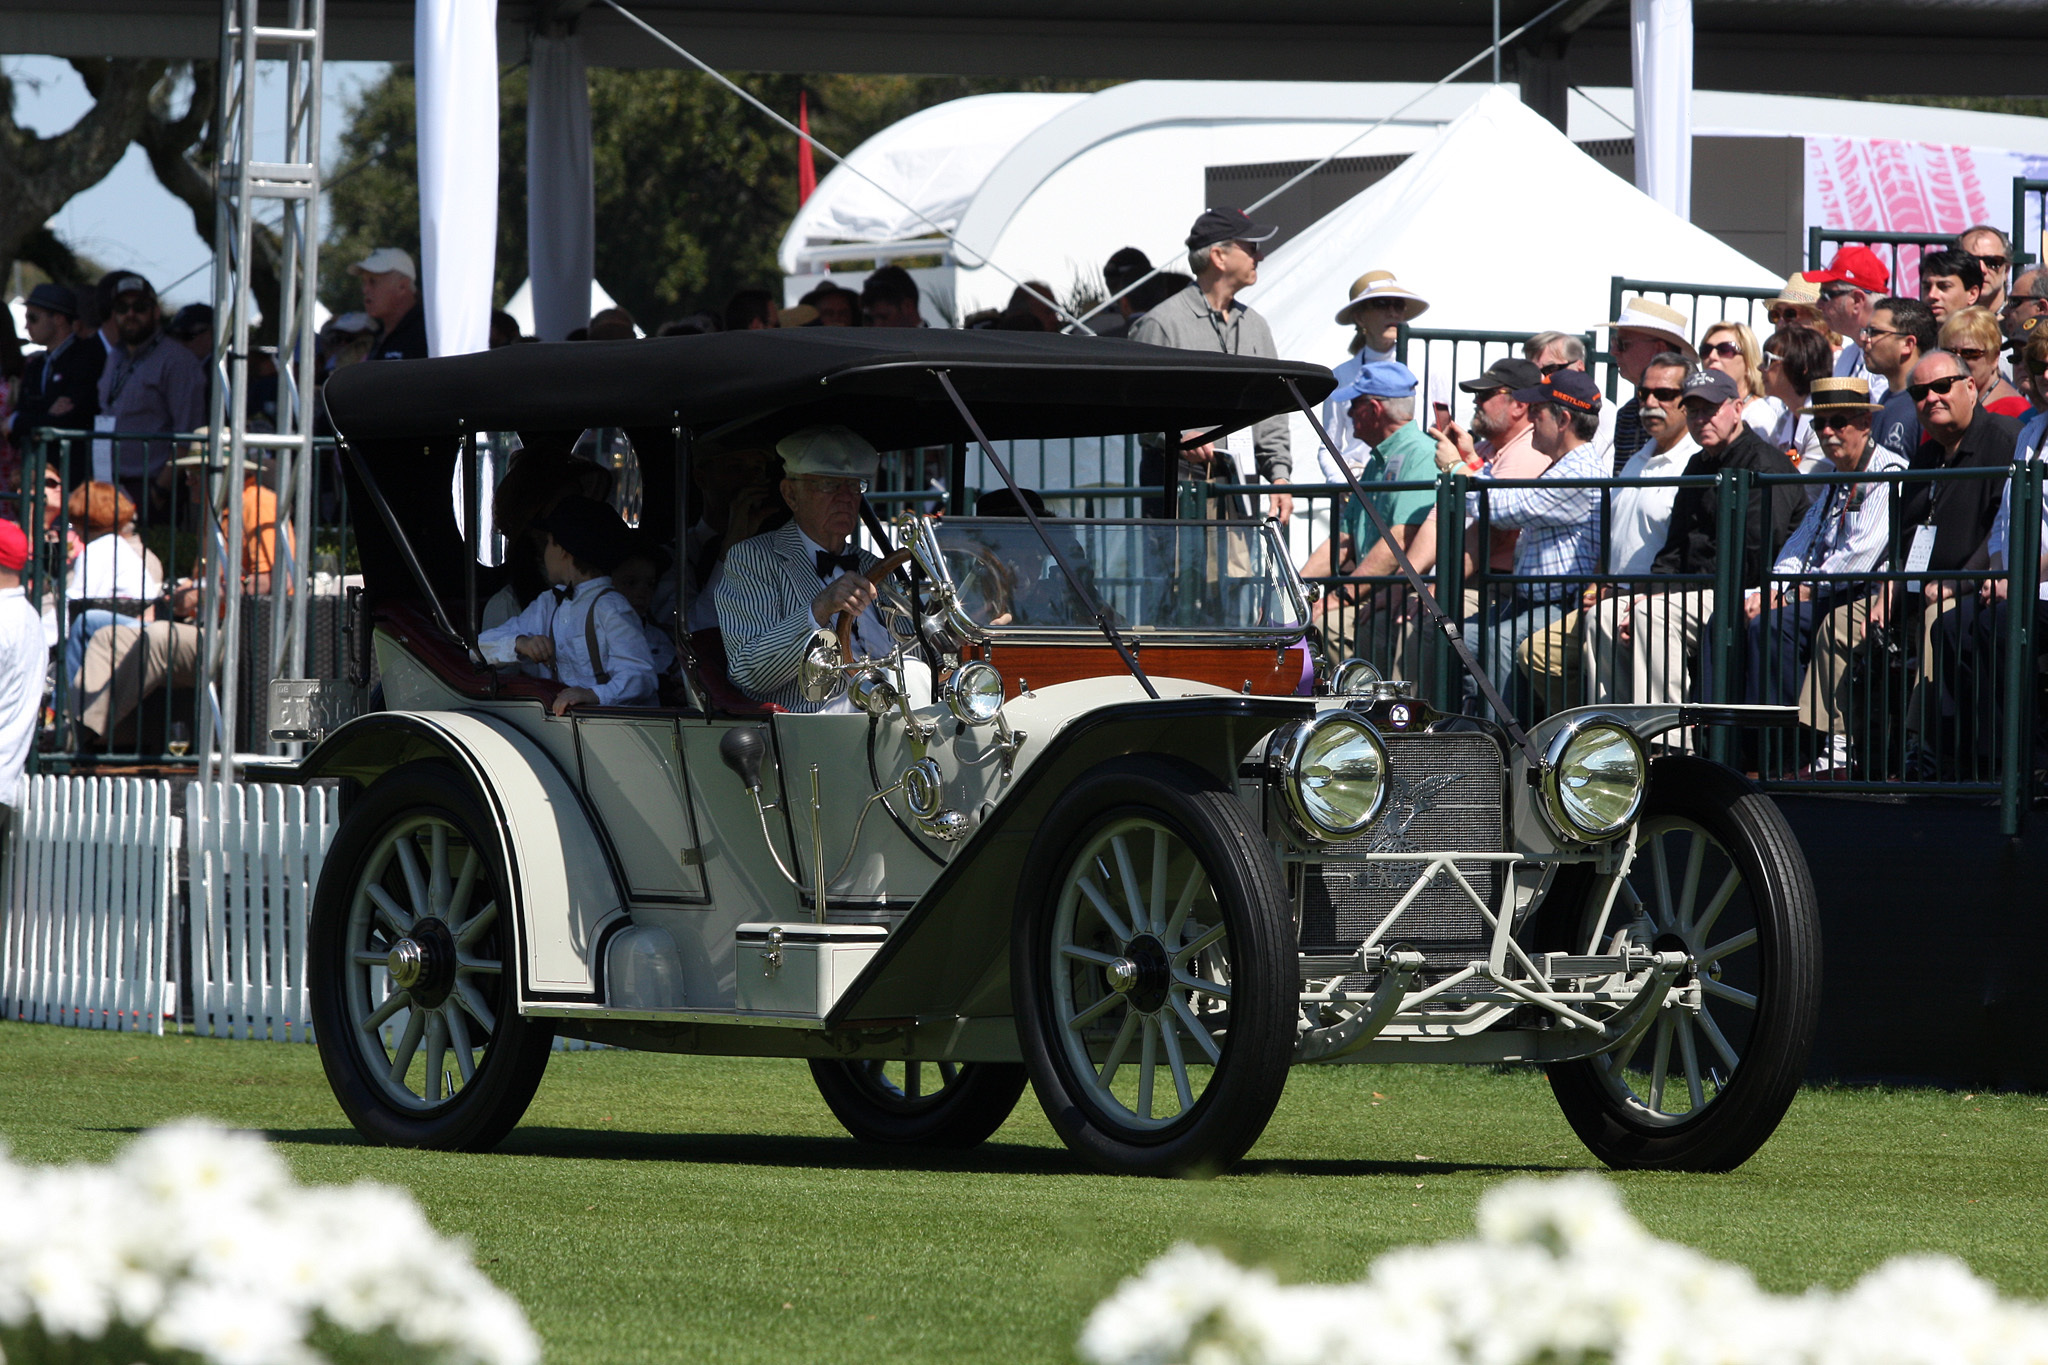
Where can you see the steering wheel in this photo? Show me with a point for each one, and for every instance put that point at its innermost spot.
(842, 624)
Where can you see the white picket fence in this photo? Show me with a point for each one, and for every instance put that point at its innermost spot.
(253, 854)
(90, 933)
(90, 937)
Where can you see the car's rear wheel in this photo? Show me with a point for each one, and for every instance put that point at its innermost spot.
(1153, 978)
(412, 973)
(920, 1104)
(1719, 875)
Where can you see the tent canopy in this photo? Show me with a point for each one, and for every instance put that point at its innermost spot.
(1503, 225)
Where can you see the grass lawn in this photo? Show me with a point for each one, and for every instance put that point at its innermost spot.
(658, 1208)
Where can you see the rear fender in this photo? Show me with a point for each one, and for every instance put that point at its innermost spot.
(950, 958)
(565, 893)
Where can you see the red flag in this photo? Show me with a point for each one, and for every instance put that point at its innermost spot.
(806, 169)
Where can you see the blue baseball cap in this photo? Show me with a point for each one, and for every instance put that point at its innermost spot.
(1381, 379)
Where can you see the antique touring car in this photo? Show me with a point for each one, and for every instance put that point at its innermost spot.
(1136, 847)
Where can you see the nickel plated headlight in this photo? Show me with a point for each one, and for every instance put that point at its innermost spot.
(1354, 678)
(1594, 778)
(973, 693)
(1334, 772)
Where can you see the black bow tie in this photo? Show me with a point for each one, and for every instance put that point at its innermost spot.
(827, 562)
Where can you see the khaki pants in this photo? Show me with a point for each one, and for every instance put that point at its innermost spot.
(1553, 660)
(1827, 696)
(1654, 665)
(124, 664)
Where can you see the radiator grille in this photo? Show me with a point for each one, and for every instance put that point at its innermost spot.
(1447, 795)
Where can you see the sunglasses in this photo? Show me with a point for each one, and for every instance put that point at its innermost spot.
(1662, 395)
(1941, 385)
(1553, 369)
(134, 303)
(1839, 291)
(1835, 421)
(1726, 350)
(1784, 315)
(1991, 262)
(1969, 355)
(53, 483)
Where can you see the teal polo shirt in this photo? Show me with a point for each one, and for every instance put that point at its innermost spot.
(1408, 456)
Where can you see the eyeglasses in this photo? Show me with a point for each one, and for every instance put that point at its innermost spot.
(1990, 262)
(1969, 355)
(2013, 301)
(1839, 291)
(53, 484)
(1825, 421)
(1871, 332)
(1726, 350)
(1783, 315)
(1661, 395)
(1770, 358)
(134, 303)
(834, 488)
(1250, 249)
(1941, 385)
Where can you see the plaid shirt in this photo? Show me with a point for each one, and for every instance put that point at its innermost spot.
(1560, 526)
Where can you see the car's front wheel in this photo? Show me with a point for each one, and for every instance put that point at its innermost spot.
(919, 1104)
(411, 970)
(1719, 876)
(1152, 971)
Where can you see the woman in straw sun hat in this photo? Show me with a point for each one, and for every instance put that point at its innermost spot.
(1377, 306)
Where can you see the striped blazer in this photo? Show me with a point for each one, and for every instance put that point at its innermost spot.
(764, 610)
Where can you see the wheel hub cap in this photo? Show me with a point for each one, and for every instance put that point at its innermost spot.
(423, 963)
(407, 963)
(1152, 973)
(1122, 974)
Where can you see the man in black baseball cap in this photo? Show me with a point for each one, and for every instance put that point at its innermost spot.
(1224, 248)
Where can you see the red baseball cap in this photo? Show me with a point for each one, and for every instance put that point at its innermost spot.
(1857, 265)
(13, 546)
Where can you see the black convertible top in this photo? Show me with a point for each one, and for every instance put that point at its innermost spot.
(755, 387)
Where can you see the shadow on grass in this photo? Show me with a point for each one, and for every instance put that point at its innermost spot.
(990, 1158)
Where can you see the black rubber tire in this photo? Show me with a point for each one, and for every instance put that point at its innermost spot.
(962, 1113)
(479, 1115)
(1248, 1077)
(1782, 971)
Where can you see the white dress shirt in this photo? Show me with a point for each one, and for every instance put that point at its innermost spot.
(110, 567)
(1641, 517)
(621, 642)
(24, 660)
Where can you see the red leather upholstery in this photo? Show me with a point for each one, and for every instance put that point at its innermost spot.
(425, 641)
(709, 647)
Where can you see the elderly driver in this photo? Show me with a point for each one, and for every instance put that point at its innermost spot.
(780, 588)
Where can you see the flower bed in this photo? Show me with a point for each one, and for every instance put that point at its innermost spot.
(1559, 1274)
(196, 1245)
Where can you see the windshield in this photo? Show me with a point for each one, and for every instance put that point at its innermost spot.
(1169, 577)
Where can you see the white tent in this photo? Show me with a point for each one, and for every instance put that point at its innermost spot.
(933, 160)
(1502, 224)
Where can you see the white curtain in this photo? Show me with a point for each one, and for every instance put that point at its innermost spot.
(455, 61)
(561, 216)
(1661, 62)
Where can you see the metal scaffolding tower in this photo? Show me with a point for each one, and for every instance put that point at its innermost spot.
(242, 183)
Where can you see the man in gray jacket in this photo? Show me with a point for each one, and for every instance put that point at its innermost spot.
(1223, 252)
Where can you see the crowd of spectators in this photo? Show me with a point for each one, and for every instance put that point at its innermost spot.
(1597, 594)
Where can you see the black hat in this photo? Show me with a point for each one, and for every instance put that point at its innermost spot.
(1711, 386)
(1227, 225)
(53, 298)
(1573, 389)
(1509, 372)
(194, 319)
(590, 530)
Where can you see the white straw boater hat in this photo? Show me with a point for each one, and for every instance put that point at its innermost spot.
(1647, 315)
(1381, 284)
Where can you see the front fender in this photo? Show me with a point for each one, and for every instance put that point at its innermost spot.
(564, 890)
(950, 956)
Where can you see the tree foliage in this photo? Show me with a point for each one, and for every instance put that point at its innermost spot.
(693, 187)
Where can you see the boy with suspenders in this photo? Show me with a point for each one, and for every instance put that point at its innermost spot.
(584, 632)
